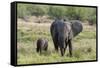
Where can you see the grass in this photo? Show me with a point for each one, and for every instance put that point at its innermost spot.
(84, 45)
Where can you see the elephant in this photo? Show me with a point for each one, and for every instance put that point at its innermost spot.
(42, 44)
(77, 27)
(62, 33)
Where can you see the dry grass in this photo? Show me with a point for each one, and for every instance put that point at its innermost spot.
(84, 45)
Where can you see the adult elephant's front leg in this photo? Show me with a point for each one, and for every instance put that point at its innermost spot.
(70, 47)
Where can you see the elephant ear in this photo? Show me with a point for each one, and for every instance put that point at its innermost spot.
(76, 27)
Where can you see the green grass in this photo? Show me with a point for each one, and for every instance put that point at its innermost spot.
(84, 45)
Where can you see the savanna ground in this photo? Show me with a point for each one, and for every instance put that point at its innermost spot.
(84, 45)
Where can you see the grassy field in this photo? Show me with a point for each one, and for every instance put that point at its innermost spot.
(84, 45)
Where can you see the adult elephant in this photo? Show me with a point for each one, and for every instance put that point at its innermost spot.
(62, 33)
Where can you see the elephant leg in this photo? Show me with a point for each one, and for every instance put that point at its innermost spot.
(70, 47)
(62, 51)
(37, 49)
(40, 51)
(61, 45)
(55, 44)
(66, 43)
(46, 48)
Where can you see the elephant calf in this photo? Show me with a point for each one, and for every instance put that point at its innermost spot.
(42, 44)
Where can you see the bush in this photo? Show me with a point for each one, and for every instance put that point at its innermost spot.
(56, 11)
(22, 11)
(77, 13)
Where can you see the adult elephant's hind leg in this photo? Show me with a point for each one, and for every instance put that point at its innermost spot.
(61, 44)
(55, 44)
(70, 47)
(66, 43)
(62, 51)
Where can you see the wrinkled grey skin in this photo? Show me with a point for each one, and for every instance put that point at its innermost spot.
(76, 27)
(61, 33)
(42, 44)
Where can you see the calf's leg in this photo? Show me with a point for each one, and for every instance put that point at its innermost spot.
(37, 49)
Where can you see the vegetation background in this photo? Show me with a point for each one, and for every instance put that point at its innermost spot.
(34, 22)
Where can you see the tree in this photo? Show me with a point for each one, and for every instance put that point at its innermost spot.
(22, 11)
(56, 11)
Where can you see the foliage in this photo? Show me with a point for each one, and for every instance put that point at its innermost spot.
(22, 11)
(56, 11)
(70, 12)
